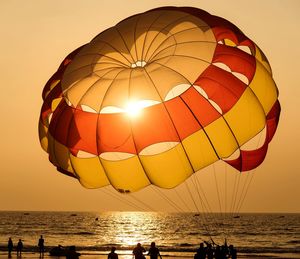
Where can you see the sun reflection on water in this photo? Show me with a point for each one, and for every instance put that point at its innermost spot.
(130, 227)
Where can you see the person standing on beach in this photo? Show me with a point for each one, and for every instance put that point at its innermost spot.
(19, 248)
(209, 251)
(138, 251)
(41, 246)
(112, 254)
(154, 251)
(201, 252)
(232, 252)
(10, 247)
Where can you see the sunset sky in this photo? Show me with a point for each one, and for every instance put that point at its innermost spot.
(37, 35)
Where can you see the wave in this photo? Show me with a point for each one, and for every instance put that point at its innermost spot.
(83, 233)
(294, 242)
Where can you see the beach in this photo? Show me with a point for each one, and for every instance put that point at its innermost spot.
(31, 255)
(177, 235)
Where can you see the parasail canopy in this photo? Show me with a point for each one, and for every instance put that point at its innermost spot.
(157, 97)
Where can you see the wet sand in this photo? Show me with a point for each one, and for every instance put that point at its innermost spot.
(31, 255)
(93, 256)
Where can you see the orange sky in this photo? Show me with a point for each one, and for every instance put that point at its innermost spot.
(37, 35)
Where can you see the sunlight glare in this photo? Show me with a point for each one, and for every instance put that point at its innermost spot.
(133, 109)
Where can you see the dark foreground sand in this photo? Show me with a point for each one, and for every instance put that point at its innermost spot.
(31, 255)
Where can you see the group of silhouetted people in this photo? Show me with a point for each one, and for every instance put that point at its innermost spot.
(10, 247)
(138, 252)
(216, 251)
(19, 247)
(153, 252)
(203, 252)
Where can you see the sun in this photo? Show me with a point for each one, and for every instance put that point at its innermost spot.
(134, 108)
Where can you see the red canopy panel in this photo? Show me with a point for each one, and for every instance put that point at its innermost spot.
(250, 159)
(221, 86)
(60, 123)
(237, 60)
(182, 117)
(200, 107)
(114, 134)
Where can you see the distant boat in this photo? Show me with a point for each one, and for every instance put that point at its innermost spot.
(73, 215)
(197, 214)
(26, 213)
(236, 217)
(96, 218)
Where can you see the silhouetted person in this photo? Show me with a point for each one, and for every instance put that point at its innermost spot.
(209, 251)
(112, 254)
(19, 248)
(232, 252)
(218, 253)
(201, 252)
(10, 247)
(153, 251)
(138, 251)
(72, 254)
(41, 246)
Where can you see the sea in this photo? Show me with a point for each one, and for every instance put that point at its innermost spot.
(175, 234)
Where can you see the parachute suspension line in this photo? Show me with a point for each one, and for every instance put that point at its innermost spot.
(225, 196)
(212, 216)
(222, 215)
(182, 200)
(227, 209)
(203, 195)
(208, 217)
(203, 205)
(217, 187)
(232, 196)
(243, 197)
(114, 195)
(199, 196)
(231, 210)
(149, 208)
(191, 195)
(246, 192)
(207, 214)
(235, 194)
(203, 215)
(241, 193)
(166, 198)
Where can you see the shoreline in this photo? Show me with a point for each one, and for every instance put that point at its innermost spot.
(128, 255)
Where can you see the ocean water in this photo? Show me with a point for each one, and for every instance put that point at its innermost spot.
(176, 234)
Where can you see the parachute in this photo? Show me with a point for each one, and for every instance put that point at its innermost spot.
(156, 98)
